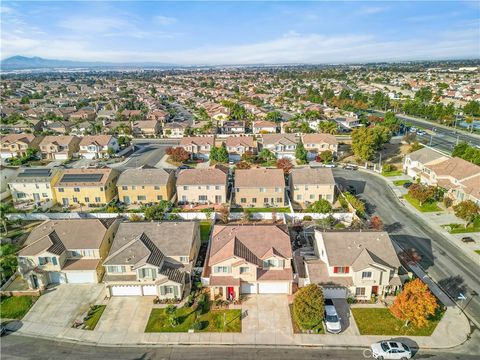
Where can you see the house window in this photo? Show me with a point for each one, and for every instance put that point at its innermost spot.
(366, 275)
(265, 200)
(299, 197)
(279, 200)
(244, 269)
(76, 189)
(134, 187)
(277, 189)
(75, 253)
(87, 199)
(263, 190)
(184, 259)
(116, 269)
(124, 187)
(341, 269)
(360, 291)
(217, 187)
(254, 200)
(168, 290)
(202, 197)
(147, 273)
(159, 197)
(243, 200)
(208, 187)
(272, 263)
(312, 196)
(60, 190)
(185, 188)
(97, 199)
(44, 195)
(222, 269)
(75, 200)
(141, 198)
(156, 187)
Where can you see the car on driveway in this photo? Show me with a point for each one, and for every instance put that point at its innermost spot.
(407, 185)
(467, 239)
(332, 321)
(390, 350)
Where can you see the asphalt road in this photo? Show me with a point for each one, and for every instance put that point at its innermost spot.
(15, 347)
(444, 262)
(150, 152)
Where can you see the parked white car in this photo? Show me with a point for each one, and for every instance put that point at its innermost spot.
(391, 350)
(332, 321)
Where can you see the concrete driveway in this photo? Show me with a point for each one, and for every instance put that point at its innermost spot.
(126, 314)
(349, 327)
(268, 318)
(63, 304)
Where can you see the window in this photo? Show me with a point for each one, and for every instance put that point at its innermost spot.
(141, 198)
(124, 187)
(87, 199)
(237, 189)
(75, 200)
(222, 269)
(116, 269)
(265, 200)
(75, 253)
(341, 269)
(60, 190)
(134, 187)
(360, 291)
(208, 187)
(277, 189)
(243, 200)
(21, 195)
(159, 197)
(76, 189)
(185, 187)
(168, 290)
(156, 187)
(184, 259)
(147, 273)
(217, 187)
(44, 195)
(279, 200)
(366, 275)
(202, 197)
(97, 199)
(270, 263)
(254, 200)
(244, 269)
(36, 186)
(299, 197)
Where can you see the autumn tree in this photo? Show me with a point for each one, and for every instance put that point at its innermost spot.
(376, 223)
(466, 210)
(248, 156)
(284, 164)
(178, 154)
(308, 307)
(223, 213)
(243, 165)
(415, 304)
(422, 193)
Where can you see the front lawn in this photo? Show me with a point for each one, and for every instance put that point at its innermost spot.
(255, 210)
(205, 230)
(392, 173)
(401, 182)
(212, 321)
(477, 251)
(425, 207)
(15, 307)
(93, 317)
(379, 321)
(461, 229)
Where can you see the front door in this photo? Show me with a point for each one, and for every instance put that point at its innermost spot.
(230, 293)
(375, 290)
(126, 200)
(36, 196)
(35, 281)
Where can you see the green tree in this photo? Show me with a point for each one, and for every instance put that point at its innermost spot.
(301, 153)
(328, 127)
(274, 116)
(421, 192)
(320, 206)
(213, 153)
(5, 208)
(222, 154)
(326, 156)
(308, 307)
(424, 94)
(266, 155)
(8, 261)
(157, 212)
(472, 108)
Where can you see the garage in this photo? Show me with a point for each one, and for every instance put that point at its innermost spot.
(81, 277)
(335, 292)
(273, 288)
(248, 288)
(61, 156)
(126, 290)
(56, 277)
(150, 290)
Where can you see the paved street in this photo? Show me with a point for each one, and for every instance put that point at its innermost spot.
(443, 261)
(150, 153)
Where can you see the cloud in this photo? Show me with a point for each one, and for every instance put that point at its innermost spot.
(164, 20)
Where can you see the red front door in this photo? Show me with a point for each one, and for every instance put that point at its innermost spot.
(230, 293)
(375, 290)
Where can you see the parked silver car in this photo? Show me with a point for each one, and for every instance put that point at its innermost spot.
(391, 350)
(332, 321)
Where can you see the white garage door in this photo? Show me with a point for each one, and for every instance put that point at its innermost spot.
(248, 288)
(150, 290)
(273, 288)
(126, 290)
(61, 156)
(81, 277)
(334, 293)
(57, 277)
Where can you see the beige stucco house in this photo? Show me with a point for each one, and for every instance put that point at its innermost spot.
(248, 260)
(202, 186)
(59, 147)
(308, 185)
(259, 187)
(318, 143)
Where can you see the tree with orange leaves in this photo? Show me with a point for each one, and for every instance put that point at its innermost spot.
(415, 304)
(284, 164)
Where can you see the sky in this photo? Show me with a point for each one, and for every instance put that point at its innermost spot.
(216, 33)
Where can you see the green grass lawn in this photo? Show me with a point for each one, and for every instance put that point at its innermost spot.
(460, 229)
(426, 207)
(392, 173)
(379, 321)
(213, 321)
(205, 230)
(401, 182)
(477, 251)
(94, 316)
(260, 209)
(15, 307)
(297, 330)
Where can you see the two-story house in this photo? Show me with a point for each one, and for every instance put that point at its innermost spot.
(66, 251)
(202, 186)
(16, 145)
(174, 129)
(318, 143)
(145, 185)
(353, 264)
(281, 145)
(248, 259)
(239, 145)
(233, 127)
(308, 185)
(33, 186)
(198, 146)
(146, 128)
(264, 127)
(152, 258)
(85, 187)
(259, 187)
(414, 163)
(59, 147)
(98, 146)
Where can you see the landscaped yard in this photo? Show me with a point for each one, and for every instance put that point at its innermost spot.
(477, 251)
(460, 228)
(379, 321)
(205, 230)
(93, 316)
(269, 209)
(212, 321)
(425, 207)
(296, 329)
(401, 182)
(392, 173)
(15, 307)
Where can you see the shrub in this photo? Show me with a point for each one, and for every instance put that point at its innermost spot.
(308, 307)
(447, 202)
(321, 206)
(388, 168)
(307, 218)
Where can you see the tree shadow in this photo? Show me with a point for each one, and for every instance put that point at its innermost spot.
(396, 226)
(343, 184)
(453, 285)
(421, 245)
